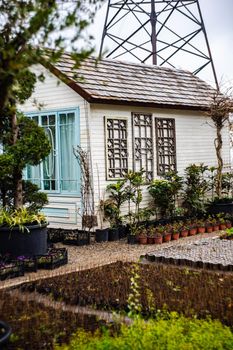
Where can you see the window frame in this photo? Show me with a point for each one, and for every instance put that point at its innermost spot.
(57, 112)
(159, 173)
(106, 118)
(152, 143)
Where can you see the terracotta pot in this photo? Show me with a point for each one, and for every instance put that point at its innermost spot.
(150, 240)
(222, 226)
(142, 240)
(175, 236)
(216, 228)
(184, 233)
(192, 231)
(158, 240)
(167, 237)
(201, 230)
(209, 229)
(229, 225)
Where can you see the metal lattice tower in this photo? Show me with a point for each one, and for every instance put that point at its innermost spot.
(162, 32)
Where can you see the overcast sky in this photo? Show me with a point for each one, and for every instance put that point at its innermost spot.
(218, 18)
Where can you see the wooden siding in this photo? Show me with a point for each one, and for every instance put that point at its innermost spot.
(194, 139)
(55, 95)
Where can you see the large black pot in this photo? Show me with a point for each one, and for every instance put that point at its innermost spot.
(113, 234)
(5, 332)
(226, 208)
(32, 241)
(101, 235)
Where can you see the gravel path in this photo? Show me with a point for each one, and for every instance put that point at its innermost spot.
(96, 254)
(211, 250)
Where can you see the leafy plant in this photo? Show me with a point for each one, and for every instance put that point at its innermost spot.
(196, 187)
(136, 214)
(20, 217)
(165, 192)
(118, 196)
(166, 332)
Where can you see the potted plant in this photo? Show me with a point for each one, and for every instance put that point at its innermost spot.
(222, 221)
(142, 236)
(164, 193)
(196, 186)
(136, 215)
(200, 226)
(165, 232)
(215, 224)
(5, 332)
(23, 230)
(158, 238)
(87, 210)
(101, 234)
(228, 234)
(151, 232)
(209, 225)
(192, 227)
(118, 195)
(184, 229)
(175, 231)
(111, 213)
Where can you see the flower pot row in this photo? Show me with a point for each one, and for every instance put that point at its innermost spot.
(165, 233)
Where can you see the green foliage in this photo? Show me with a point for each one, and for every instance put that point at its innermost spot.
(31, 146)
(26, 28)
(229, 232)
(117, 197)
(174, 332)
(165, 192)
(20, 217)
(136, 214)
(134, 304)
(196, 187)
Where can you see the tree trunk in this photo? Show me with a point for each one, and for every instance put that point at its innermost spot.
(218, 147)
(17, 175)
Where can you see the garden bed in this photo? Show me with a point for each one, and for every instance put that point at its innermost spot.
(189, 291)
(36, 326)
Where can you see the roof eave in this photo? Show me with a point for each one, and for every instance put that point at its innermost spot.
(147, 104)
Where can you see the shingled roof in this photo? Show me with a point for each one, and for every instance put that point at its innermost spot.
(115, 82)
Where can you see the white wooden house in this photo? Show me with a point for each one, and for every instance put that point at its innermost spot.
(129, 116)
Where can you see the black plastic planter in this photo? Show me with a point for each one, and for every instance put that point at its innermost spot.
(55, 257)
(131, 239)
(101, 235)
(122, 231)
(32, 241)
(5, 332)
(77, 237)
(226, 208)
(113, 234)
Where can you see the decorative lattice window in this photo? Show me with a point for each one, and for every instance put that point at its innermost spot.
(116, 148)
(165, 145)
(143, 144)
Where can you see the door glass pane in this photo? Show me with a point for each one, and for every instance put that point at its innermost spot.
(69, 175)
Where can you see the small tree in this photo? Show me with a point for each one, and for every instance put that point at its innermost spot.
(26, 28)
(219, 109)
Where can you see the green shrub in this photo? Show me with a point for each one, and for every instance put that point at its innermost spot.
(176, 332)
